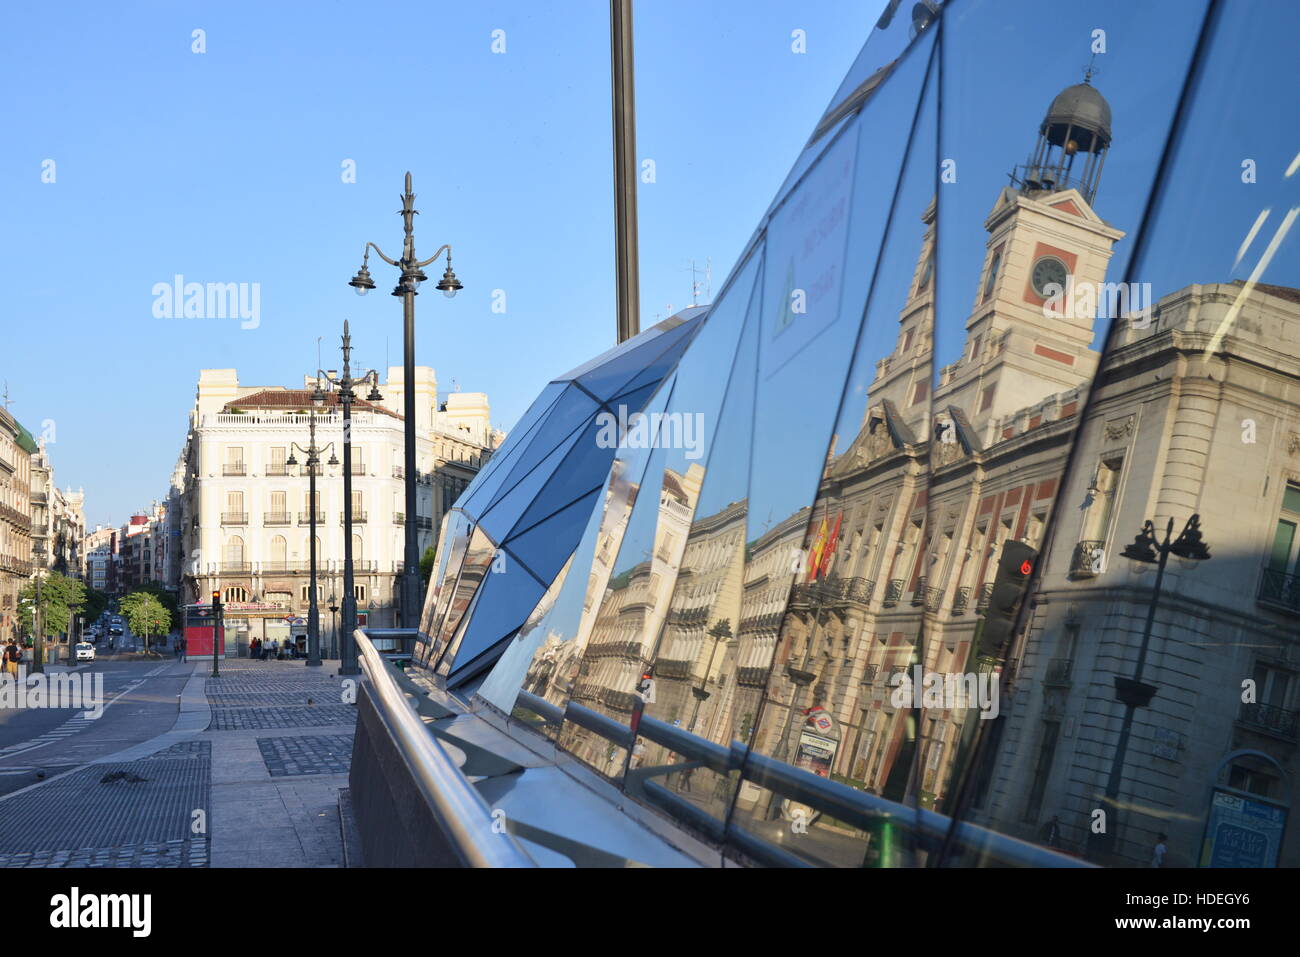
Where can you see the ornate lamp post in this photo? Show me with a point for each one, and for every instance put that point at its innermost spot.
(348, 657)
(313, 454)
(411, 277)
(1133, 692)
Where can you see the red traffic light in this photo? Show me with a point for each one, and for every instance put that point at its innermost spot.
(1026, 567)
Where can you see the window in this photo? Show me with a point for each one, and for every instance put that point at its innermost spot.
(1102, 506)
(276, 465)
(234, 551)
(991, 278)
(279, 503)
(236, 593)
(359, 592)
(1282, 559)
(279, 553)
(986, 400)
(1046, 754)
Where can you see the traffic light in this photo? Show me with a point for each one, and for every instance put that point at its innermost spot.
(645, 687)
(1015, 565)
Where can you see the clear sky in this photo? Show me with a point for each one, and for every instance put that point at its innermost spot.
(226, 167)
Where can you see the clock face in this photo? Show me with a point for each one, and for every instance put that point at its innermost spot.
(1046, 271)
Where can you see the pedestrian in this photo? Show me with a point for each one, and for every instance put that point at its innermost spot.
(638, 753)
(255, 649)
(1158, 855)
(11, 657)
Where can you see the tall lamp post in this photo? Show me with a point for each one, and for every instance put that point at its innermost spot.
(412, 268)
(313, 463)
(334, 637)
(721, 630)
(1133, 692)
(348, 651)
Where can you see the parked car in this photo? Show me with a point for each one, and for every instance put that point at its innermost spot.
(85, 651)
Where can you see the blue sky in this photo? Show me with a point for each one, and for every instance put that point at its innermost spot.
(226, 166)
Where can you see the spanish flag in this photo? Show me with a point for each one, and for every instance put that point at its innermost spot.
(829, 550)
(815, 555)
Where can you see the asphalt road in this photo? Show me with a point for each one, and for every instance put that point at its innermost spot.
(141, 699)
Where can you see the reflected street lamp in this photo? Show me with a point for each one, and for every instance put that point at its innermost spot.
(408, 284)
(334, 638)
(1133, 692)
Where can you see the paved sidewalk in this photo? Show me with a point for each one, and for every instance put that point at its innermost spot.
(262, 751)
(281, 746)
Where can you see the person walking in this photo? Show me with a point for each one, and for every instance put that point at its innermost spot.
(11, 657)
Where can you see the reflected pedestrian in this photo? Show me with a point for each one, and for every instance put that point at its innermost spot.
(1158, 853)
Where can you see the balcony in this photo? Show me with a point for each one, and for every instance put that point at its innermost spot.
(234, 518)
(960, 599)
(277, 468)
(869, 673)
(1058, 672)
(276, 518)
(399, 518)
(893, 592)
(982, 604)
(358, 517)
(1265, 717)
(358, 468)
(234, 468)
(235, 568)
(1280, 589)
(919, 596)
(304, 518)
(399, 472)
(289, 568)
(1086, 562)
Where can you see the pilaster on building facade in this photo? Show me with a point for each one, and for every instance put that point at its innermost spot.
(16, 450)
(240, 503)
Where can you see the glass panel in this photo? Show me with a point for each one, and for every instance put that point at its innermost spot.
(489, 480)
(1120, 742)
(802, 653)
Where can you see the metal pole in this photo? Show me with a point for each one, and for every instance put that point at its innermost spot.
(38, 643)
(411, 568)
(625, 168)
(216, 633)
(348, 662)
(313, 612)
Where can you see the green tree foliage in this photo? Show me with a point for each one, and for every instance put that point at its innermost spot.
(146, 614)
(426, 565)
(96, 604)
(60, 596)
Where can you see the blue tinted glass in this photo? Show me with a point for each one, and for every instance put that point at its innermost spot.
(567, 417)
(489, 480)
(496, 615)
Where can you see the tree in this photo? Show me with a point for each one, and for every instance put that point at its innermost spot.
(96, 604)
(426, 565)
(61, 596)
(146, 614)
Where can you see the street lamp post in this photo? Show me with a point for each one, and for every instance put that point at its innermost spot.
(721, 630)
(313, 463)
(348, 652)
(38, 640)
(1133, 692)
(334, 636)
(411, 277)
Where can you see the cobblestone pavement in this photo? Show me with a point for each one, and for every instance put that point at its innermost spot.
(244, 719)
(126, 814)
(307, 754)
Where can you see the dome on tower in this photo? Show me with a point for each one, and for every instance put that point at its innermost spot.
(1081, 114)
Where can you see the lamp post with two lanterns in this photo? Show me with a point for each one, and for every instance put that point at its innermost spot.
(313, 453)
(412, 268)
(344, 384)
(1133, 692)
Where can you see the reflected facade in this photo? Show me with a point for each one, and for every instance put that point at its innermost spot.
(995, 304)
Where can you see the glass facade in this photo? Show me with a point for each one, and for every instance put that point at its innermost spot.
(1023, 320)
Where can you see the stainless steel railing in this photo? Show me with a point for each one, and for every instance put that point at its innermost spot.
(830, 797)
(463, 815)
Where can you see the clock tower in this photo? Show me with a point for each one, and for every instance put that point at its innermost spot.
(1029, 334)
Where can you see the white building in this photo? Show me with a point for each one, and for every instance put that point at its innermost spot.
(244, 511)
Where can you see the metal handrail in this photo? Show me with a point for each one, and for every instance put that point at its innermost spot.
(830, 797)
(463, 815)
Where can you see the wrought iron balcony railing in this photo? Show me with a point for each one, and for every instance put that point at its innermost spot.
(236, 568)
(1279, 721)
(893, 592)
(277, 468)
(234, 518)
(234, 468)
(276, 518)
(982, 603)
(960, 599)
(358, 517)
(1279, 588)
(1086, 562)
(919, 595)
(304, 518)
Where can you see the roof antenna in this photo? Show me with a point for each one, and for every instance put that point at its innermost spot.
(1090, 70)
